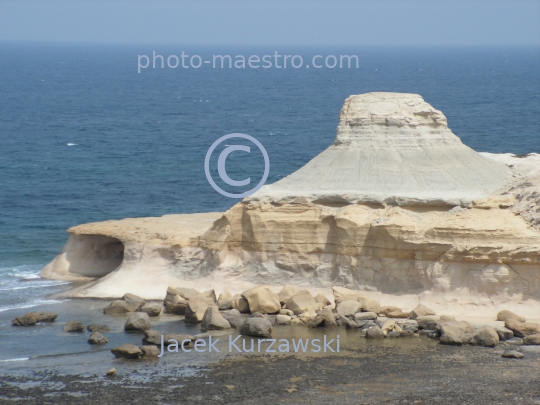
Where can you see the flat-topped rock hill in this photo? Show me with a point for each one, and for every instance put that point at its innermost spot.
(392, 148)
(397, 206)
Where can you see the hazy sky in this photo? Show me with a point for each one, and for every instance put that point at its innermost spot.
(294, 22)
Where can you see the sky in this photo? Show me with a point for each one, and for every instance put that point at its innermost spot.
(257, 22)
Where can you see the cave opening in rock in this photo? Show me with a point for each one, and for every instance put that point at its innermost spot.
(94, 255)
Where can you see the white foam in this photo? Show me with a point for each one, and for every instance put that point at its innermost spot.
(19, 359)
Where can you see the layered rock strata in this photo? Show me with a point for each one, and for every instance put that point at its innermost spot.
(397, 206)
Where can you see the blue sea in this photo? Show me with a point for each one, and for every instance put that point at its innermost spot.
(85, 137)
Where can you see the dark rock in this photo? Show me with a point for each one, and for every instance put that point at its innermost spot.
(98, 328)
(152, 337)
(96, 338)
(532, 340)
(486, 337)
(25, 320)
(512, 354)
(74, 326)
(428, 322)
(255, 326)
(127, 351)
(138, 321)
(149, 352)
(44, 316)
(375, 333)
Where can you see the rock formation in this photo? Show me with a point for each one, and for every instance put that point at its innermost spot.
(397, 206)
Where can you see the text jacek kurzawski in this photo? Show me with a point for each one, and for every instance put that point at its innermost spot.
(241, 344)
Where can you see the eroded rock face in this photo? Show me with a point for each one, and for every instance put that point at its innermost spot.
(397, 204)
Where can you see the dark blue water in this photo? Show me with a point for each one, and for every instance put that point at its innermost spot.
(140, 139)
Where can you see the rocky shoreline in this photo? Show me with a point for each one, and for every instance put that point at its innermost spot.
(258, 310)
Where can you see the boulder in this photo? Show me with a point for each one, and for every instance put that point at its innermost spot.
(504, 315)
(486, 336)
(111, 372)
(329, 321)
(380, 320)
(368, 304)
(393, 334)
(208, 296)
(285, 311)
(522, 329)
(117, 307)
(504, 333)
(452, 332)
(348, 308)
(374, 333)
(466, 338)
(195, 310)
(96, 338)
(240, 303)
(149, 351)
(25, 320)
(389, 309)
(212, 320)
(512, 354)
(235, 319)
(74, 327)
(324, 320)
(127, 351)
(98, 328)
(283, 319)
(286, 293)
(344, 294)
(255, 326)
(225, 300)
(321, 299)
(428, 322)
(421, 310)
(44, 316)
(301, 302)
(447, 318)
(185, 293)
(134, 302)
(175, 304)
(532, 339)
(152, 337)
(365, 316)
(388, 326)
(138, 321)
(262, 299)
(152, 309)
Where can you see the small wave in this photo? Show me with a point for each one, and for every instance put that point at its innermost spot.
(31, 304)
(72, 144)
(45, 284)
(19, 359)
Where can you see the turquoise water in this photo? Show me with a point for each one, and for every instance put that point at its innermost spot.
(84, 137)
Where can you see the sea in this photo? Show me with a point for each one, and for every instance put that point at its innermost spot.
(85, 136)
